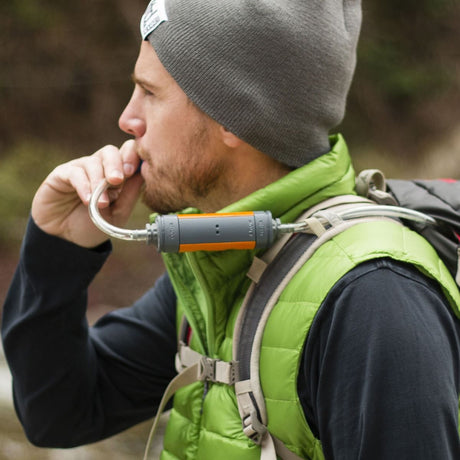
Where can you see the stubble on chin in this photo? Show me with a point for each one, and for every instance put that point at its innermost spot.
(178, 187)
(186, 182)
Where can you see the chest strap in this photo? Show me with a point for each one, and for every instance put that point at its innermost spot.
(192, 367)
(216, 370)
(209, 369)
(186, 377)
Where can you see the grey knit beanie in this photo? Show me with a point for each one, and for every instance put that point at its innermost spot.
(275, 73)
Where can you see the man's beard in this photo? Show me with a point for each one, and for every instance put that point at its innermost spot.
(176, 186)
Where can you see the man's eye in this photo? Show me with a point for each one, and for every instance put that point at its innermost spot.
(144, 90)
(147, 92)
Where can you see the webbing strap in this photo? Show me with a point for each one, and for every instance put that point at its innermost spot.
(256, 270)
(283, 451)
(267, 448)
(314, 227)
(192, 367)
(212, 370)
(270, 445)
(252, 427)
(272, 448)
(186, 377)
(186, 357)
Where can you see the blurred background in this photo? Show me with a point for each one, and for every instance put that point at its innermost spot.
(65, 77)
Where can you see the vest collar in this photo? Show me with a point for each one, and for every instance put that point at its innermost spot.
(208, 284)
(328, 175)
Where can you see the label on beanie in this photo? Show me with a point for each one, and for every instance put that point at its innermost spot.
(154, 15)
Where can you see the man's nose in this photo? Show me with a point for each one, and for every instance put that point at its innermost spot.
(131, 123)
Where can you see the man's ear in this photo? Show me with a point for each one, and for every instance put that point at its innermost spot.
(229, 139)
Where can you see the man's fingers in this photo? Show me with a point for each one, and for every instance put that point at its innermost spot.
(130, 157)
(59, 206)
(78, 179)
(113, 194)
(70, 178)
(95, 171)
(83, 175)
(107, 163)
(112, 164)
(124, 204)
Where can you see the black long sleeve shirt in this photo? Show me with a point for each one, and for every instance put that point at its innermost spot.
(379, 377)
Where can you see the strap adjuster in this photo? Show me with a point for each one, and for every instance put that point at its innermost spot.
(207, 369)
(216, 370)
(253, 428)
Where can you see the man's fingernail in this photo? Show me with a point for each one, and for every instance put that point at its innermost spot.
(128, 169)
(116, 174)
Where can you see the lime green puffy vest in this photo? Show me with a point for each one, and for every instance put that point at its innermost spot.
(204, 422)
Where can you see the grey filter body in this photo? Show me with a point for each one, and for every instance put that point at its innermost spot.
(195, 232)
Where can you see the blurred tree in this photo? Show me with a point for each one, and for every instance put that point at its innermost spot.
(65, 70)
(65, 66)
(406, 91)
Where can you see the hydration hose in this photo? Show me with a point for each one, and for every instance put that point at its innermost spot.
(221, 231)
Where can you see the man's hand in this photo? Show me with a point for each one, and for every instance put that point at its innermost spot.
(60, 206)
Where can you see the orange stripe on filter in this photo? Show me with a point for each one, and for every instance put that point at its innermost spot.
(224, 214)
(217, 246)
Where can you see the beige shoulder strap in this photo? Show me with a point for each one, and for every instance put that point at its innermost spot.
(250, 398)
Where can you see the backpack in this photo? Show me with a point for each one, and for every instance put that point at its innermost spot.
(430, 207)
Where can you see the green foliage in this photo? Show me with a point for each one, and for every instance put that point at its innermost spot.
(406, 90)
(399, 76)
(65, 69)
(29, 15)
(404, 48)
(23, 168)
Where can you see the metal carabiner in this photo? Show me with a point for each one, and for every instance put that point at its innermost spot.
(149, 234)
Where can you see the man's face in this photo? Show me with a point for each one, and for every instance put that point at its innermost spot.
(184, 163)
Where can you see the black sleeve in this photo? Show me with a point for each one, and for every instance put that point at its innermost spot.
(73, 384)
(380, 374)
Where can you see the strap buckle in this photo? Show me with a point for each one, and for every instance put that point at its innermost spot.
(207, 369)
(217, 371)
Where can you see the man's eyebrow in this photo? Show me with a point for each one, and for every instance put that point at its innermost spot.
(141, 81)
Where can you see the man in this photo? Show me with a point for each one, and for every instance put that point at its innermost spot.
(231, 110)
